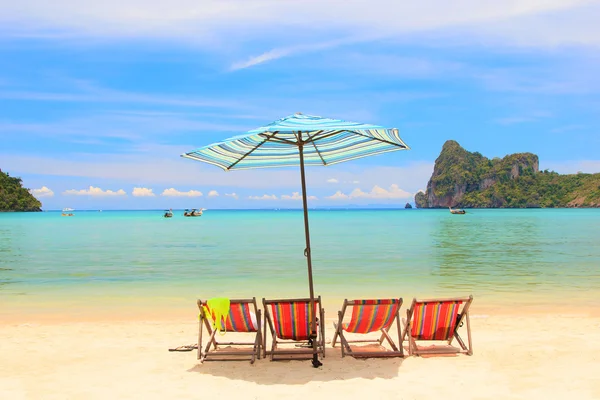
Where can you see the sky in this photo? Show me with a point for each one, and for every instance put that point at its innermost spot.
(99, 100)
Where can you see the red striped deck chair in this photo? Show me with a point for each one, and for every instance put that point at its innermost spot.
(438, 320)
(369, 316)
(244, 317)
(290, 325)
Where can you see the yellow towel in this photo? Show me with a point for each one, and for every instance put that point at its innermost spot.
(219, 310)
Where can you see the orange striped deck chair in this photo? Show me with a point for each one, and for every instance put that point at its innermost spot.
(289, 322)
(244, 317)
(438, 320)
(369, 316)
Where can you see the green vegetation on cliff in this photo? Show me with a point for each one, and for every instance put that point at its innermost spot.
(464, 179)
(14, 197)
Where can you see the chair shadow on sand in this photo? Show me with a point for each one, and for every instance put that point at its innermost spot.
(299, 372)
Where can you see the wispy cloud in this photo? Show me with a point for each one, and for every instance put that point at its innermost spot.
(172, 192)
(213, 193)
(212, 23)
(275, 54)
(94, 192)
(529, 117)
(232, 195)
(568, 128)
(332, 180)
(42, 192)
(572, 167)
(92, 93)
(142, 192)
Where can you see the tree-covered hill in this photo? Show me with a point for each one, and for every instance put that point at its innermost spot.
(14, 197)
(464, 179)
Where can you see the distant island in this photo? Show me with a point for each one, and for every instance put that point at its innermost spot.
(470, 180)
(14, 197)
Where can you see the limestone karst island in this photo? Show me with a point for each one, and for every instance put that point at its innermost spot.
(469, 180)
(14, 197)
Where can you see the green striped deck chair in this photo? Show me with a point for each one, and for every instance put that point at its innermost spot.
(289, 322)
(437, 320)
(369, 316)
(244, 317)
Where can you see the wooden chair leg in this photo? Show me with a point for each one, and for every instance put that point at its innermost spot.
(384, 334)
(470, 351)
(199, 338)
(322, 329)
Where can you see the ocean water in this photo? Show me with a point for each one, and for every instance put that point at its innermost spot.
(138, 259)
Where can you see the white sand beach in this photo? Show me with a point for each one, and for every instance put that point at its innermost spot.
(537, 354)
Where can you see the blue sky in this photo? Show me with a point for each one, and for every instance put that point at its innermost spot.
(97, 101)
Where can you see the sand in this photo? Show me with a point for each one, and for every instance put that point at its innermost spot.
(516, 356)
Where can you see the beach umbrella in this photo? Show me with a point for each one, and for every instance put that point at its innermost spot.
(301, 140)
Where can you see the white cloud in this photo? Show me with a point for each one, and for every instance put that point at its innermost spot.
(296, 196)
(213, 193)
(332, 180)
(42, 192)
(142, 192)
(172, 192)
(95, 192)
(394, 192)
(158, 167)
(263, 197)
(232, 195)
(338, 196)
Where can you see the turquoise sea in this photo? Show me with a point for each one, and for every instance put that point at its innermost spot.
(137, 259)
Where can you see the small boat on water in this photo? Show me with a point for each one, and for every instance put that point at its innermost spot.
(194, 213)
(66, 212)
(457, 211)
(168, 213)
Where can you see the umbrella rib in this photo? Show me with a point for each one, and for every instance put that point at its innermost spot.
(314, 138)
(311, 141)
(253, 149)
(379, 140)
(278, 140)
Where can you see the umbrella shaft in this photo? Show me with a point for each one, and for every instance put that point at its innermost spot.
(307, 234)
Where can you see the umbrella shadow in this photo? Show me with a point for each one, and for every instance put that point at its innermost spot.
(299, 372)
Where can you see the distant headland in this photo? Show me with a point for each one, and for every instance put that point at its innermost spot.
(464, 179)
(14, 197)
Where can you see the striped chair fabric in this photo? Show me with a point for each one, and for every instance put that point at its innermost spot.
(435, 320)
(292, 320)
(239, 319)
(372, 315)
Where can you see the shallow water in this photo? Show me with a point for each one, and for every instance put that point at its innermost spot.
(136, 258)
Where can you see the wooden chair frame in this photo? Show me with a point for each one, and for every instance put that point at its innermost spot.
(347, 349)
(462, 316)
(303, 349)
(205, 354)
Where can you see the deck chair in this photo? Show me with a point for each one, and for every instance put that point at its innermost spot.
(289, 322)
(240, 319)
(369, 316)
(438, 320)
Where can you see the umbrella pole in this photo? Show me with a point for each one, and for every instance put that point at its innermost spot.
(313, 324)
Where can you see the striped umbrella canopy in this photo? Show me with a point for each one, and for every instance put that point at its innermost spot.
(324, 141)
(301, 140)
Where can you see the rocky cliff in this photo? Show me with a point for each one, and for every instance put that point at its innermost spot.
(14, 197)
(464, 179)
